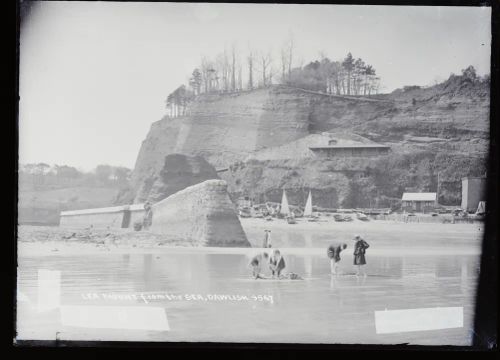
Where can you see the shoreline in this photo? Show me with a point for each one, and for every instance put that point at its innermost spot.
(387, 238)
(36, 249)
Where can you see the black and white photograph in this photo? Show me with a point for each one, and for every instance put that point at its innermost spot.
(251, 173)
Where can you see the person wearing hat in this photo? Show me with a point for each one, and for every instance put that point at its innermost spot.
(267, 239)
(333, 253)
(359, 253)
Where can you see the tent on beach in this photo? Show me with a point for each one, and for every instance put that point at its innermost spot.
(308, 208)
(284, 209)
(481, 208)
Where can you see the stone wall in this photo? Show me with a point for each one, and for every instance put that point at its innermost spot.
(203, 214)
(109, 217)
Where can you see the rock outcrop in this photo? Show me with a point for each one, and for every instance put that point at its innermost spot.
(203, 214)
(178, 172)
(262, 137)
(226, 128)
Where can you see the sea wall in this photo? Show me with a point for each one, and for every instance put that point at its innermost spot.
(203, 214)
(109, 217)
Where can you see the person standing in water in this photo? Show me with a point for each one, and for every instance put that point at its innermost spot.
(257, 262)
(359, 254)
(333, 253)
(276, 263)
(267, 239)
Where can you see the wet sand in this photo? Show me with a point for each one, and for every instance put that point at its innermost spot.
(408, 265)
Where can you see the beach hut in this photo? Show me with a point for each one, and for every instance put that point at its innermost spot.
(308, 208)
(285, 209)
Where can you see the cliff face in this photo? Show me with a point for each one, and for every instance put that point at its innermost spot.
(263, 136)
(224, 129)
(451, 116)
(178, 172)
(264, 180)
(202, 214)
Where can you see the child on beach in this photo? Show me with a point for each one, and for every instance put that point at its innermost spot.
(267, 239)
(333, 253)
(276, 263)
(359, 254)
(257, 262)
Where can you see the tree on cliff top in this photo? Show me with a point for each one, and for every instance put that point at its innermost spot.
(250, 59)
(196, 81)
(348, 65)
(350, 77)
(178, 101)
(265, 64)
(470, 73)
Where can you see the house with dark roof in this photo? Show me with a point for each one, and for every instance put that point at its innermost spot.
(346, 146)
(419, 201)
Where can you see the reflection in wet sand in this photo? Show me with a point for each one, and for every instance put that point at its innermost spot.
(321, 308)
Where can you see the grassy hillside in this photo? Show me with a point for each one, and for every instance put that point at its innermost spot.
(43, 206)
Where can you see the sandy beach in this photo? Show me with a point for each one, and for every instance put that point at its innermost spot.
(387, 237)
(409, 266)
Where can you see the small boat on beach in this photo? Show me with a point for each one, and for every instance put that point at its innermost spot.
(362, 217)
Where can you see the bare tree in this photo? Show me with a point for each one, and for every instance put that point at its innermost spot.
(207, 72)
(233, 67)
(290, 47)
(240, 77)
(222, 66)
(284, 65)
(287, 58)
(265, 62)
(250, 60)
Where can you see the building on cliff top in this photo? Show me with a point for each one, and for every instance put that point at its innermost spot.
(342, 145)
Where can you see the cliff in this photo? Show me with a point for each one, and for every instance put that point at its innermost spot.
(202, 214)
(263, 137)
(178, 172)
(226, 128)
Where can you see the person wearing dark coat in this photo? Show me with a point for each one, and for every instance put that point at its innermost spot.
(276, 263)
(359, 254)
(333, 253)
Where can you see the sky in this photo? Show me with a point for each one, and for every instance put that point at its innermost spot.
(95, 75)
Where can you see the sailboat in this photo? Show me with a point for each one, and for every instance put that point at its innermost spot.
(308, 210)
(481, 208)
(285, 209)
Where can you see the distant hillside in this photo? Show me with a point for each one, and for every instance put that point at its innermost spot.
(45, 191)
(44, 206)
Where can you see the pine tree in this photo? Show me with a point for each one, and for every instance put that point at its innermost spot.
(348, 65)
